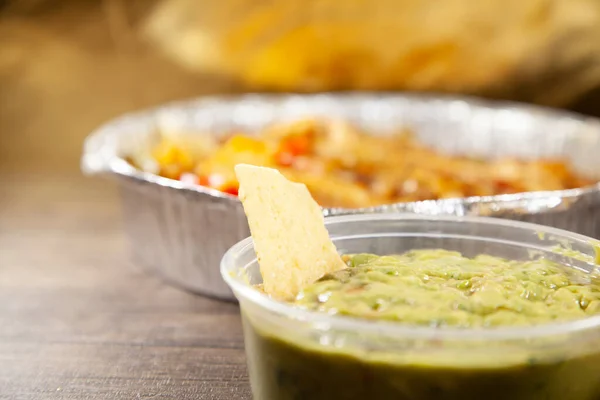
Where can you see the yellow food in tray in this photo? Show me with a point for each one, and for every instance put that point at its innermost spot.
(540, 50)
(345, 167)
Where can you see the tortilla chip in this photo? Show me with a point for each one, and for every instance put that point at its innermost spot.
(291, 242)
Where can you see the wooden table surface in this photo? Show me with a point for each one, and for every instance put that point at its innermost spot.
(77, 319)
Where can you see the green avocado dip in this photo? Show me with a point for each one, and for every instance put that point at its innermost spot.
(441, 290)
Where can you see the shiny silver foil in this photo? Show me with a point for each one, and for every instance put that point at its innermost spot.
(181, 230)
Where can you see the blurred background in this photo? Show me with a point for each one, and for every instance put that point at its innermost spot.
(66, 66)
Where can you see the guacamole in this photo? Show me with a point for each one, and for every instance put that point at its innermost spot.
(440, 289)
(444, 288)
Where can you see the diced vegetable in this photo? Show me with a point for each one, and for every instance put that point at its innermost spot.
(345, 167)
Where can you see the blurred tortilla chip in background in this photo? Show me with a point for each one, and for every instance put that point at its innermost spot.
(543, 51)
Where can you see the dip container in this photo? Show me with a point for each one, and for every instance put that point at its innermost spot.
(181, 231)
(297, 354)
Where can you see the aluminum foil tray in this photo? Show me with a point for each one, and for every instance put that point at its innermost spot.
(181, 231)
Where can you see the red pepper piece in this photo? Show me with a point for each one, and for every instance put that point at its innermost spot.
(233, 190)
(291, 148)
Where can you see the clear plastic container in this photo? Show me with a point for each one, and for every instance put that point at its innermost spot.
(297, 354)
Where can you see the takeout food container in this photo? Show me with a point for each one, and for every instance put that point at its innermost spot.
(294, 353)
(181, 230)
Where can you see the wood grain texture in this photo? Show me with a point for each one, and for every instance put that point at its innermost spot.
(78, 321)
